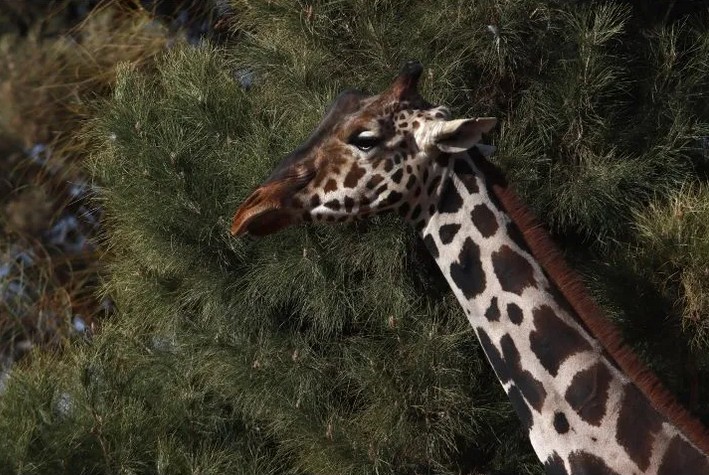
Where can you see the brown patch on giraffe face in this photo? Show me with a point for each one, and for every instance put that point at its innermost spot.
(333, 205)
(588, 464)
(354, 175)
(588, 393)
(513, 271)
(349, 205)
(638, 423)
(682, 457)
(331, 185)
(391, 199)
(374, 181)
(553, 340)
(397, 176)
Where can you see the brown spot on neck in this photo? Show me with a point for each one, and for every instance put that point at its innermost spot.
(513, 271)
(467, 272)
(638, 423)
(531, 388)
(374, 181)
(484, 220)
(681, 457)
(588, 393)
(553, 340)
(493, 311)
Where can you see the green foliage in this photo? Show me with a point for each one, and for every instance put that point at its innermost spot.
(339, 349)
(615, 122)
(124, 407)
(673, 240)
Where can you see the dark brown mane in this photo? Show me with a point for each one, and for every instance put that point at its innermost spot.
(573, 289)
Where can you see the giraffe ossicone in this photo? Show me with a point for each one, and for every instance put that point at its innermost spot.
(588, 403)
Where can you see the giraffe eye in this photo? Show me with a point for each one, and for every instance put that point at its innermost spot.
(365, 140)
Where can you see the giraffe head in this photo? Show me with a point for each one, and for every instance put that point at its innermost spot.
(369, 154)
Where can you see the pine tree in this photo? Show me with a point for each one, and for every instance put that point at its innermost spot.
(340, 349)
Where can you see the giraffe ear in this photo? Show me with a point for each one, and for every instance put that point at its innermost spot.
(459, 135)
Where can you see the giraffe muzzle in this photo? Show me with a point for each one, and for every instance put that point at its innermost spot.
(270, 207)
(262, 213)
(406, 83)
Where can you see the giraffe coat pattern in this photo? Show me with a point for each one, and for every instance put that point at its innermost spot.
(583, 414)
(588, 405)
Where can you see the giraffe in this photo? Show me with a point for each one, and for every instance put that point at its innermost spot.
(587, 402)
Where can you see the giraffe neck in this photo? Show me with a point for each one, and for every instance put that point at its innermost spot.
(584, 414)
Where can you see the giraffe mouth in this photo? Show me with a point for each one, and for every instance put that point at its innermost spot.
(271, 207)
(263, 212)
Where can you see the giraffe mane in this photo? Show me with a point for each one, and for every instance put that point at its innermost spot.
(591, 316)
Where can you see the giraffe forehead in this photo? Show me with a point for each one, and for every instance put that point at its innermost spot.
(382, 114)
(378, 107)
